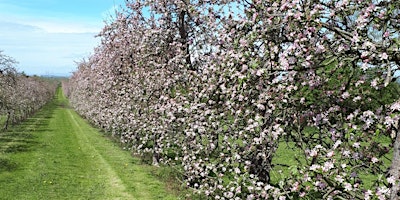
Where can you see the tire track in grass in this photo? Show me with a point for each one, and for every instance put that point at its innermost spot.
(125, 173)
(69, 159)
(116, 186)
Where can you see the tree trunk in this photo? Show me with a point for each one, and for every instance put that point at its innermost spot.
(156, 157)
(395, 169)
(156, 154)
(183, 32)
(7, 121)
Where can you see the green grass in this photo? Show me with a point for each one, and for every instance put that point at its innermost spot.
(57, 155)
(3, 119)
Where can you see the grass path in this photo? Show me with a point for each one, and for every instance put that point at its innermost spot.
(58, 155)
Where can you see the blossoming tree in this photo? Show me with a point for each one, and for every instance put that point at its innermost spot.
(21, 95)
(216, 87)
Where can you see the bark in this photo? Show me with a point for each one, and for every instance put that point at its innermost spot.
(156, 155)
(183, 32)
(7, 121)
(155, 160)
(395, 169)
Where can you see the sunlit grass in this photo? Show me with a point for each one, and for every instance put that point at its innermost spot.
(57, 155)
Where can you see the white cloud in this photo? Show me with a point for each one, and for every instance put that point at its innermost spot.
(47, 36)
(47, 45)
(46, 49)
(66, 27)
(54, 25)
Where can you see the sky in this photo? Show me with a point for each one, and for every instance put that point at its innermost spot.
(47, 37)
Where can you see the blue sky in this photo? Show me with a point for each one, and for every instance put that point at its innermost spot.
(46, 37)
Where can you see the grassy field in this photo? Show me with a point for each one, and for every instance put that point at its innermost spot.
(57, 155)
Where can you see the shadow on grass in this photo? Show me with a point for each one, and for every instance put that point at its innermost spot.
(7, 165)
(23, 137)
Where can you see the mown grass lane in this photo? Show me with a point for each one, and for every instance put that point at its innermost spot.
(58, 155)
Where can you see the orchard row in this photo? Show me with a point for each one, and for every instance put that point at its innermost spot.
(21, 95)
(214, 88)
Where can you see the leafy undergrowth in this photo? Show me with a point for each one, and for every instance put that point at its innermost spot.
(57, 155)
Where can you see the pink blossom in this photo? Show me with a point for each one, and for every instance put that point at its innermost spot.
(348, 187)
(384, 56)
(339, 178)
(367, 195)
(346, 153)
(391, 179)
(328, 166)
(345, 95)
(315, 167)
(337, 143)
(395, 106)
(357, 98)
(313, 153)
(374, 83)
(389, 121)
(386, 34)
(255, 16)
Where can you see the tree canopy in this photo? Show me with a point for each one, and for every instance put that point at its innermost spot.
(215, 87)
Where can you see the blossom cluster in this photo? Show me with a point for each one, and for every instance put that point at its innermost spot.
(215, 88)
